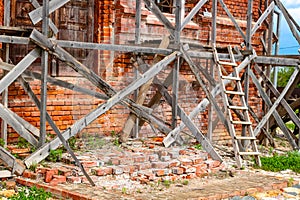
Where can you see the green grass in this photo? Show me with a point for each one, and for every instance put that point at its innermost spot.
(32, 193)
(291, 161)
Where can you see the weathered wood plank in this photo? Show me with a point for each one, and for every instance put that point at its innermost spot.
(7, 115)
(276, 61)
(61, 83)
(36, 15)
(36, 4)
(192, 13)
(276, 93)
(160, 16)
(262, 18)
(287, 17)
(141, 96)
(19, 69)
(216, 91)
(17, 166)
(238, 28)
(274, 112)
(60, 53)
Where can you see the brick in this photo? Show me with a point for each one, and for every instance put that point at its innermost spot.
(160, 165)
(165, 158)
(117, 170)
(60, 178)
(139, 159)
(9, 185)
(64, 171)
(27, 173)
(186, 162)
(178, 170)
(49, 176)
(143, 166)
(174, 163)
(102, 171)
(153, 158)
(74, 179)
(161, 172)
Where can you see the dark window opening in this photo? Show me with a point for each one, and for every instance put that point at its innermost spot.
(165, 5)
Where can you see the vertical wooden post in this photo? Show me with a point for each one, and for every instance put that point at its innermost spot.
(138, 8)
(212, 64)
(277, 47)
(178, 19)
(5, 92)
(44, 63)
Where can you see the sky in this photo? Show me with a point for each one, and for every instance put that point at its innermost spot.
(288, 44)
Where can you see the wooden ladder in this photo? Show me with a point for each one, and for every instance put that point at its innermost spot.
(240, 128)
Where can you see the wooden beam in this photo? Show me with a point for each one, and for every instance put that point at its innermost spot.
(36, 15)
(192, 13)
(19, 69)
(60, 53)
(141, 96)
(277, 117)
(9, 160)
(216, 91)
(263, 17)
(249, 24)
(276, 60)
(6, 114)
(160, 16)
(238, 28)
(36, 4)
(276, 93)
(58, 82)
(288, 17)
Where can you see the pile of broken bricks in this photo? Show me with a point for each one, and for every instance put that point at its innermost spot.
(141, 164)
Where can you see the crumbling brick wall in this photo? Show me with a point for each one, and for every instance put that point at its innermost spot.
(114, 23)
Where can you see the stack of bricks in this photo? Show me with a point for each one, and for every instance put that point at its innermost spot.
(146, 166)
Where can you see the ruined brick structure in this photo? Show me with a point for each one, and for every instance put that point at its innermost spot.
(113, 22)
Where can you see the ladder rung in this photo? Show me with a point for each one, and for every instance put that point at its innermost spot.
(241, 122)
(244, 138)
(227, 63)
(238, 107)
(231, 78)
(249, 153)
(234, 92)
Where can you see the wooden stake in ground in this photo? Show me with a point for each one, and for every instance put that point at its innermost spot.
(141, 95)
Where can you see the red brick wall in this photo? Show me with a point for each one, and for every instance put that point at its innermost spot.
(115, 24)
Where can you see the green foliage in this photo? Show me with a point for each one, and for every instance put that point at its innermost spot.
(2, 142)
(185, 182)
(33, 167)
(198, 146)
(291, 161)
(32, 193)
(55, 155)
(22, 143)
(167, 183)
(284, 74)
(72, 142)
(124, 190)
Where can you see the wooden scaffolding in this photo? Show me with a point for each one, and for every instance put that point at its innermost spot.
(248, 62)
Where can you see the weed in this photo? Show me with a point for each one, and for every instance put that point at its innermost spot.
(22, 143)
(2, 142)
(291, 161)
(198, 146)
(290, 182)
(72, 142)
(124, 190)
(139, 191)
(32, 193)
(55, 155)
(185, 182)
(167, 183)
(33, 167)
